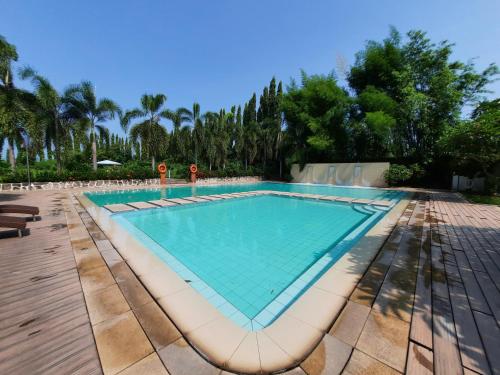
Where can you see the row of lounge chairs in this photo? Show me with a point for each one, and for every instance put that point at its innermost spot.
(16, 222)
(77, 184)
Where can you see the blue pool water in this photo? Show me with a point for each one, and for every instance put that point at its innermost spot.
(127, 196)
(251, 257)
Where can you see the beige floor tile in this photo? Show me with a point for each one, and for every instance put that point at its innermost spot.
(89, 259)
(95, 279)
(296, 338)
(188, 309)
(218, 339)
(134, 292)
(151, 365)
(111, 257)
(328, 358)
(338, 281)
(246, 358)
(317, 308)
(121, 342)
(350, 323)
(161, 281)
(385, 338)
(106, 304)
(180, 359)
(272, 357)
(362, 364)
(158, 327)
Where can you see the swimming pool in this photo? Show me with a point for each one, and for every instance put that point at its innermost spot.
(126, 196)
(251, 257)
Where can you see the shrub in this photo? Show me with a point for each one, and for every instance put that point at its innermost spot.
(398, 174)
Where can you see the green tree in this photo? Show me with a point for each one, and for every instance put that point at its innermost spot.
(15, 105)
(316, 115)
(50, 111)
(82, 105)
(474, 145)
(428, 89)
(151, 134)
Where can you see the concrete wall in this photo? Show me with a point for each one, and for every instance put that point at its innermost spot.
(346, 174)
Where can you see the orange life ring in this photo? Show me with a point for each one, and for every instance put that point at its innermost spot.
(162, 168)
(193, 168)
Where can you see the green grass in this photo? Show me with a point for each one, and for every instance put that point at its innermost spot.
(483, 199)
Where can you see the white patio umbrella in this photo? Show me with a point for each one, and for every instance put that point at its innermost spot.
(108, 162)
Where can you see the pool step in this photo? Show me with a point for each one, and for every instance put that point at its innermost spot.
(118, 207)
(167, 202)
(163, 203)
(141, 205)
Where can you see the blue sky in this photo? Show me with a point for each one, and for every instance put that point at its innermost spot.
(219, 52)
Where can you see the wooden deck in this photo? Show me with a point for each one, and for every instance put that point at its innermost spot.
(429, 302)
(44, 325)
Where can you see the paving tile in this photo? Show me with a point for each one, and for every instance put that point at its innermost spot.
(246, 358)
(111, 257)
(151, 365)
(272, 357)
(121, 342)
(218, 340)
(350, 323)
(158, 327)
(134, 292)
(293, 336)
(317, 308)
(385, 338)
(180, 359)
(362, 364)
(106, 304)
(328, 358)
(89, 259)
(393, 299)
(95, 279)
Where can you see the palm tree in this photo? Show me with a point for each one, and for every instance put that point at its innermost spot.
(178, 140)
(196, 120)
(150, 132)
(15, 104)
(83, 106)
(51, 112)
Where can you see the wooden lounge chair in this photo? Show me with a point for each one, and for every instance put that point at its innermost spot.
(18, 223)
(19, 209)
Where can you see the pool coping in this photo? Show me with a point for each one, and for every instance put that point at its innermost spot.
(281, 345)
(291, 292)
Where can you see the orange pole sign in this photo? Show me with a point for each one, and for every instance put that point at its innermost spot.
(193, 169)
(162, 168)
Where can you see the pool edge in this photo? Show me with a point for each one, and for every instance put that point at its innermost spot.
(285, 342)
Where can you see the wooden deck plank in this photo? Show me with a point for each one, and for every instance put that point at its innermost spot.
(420, 361)
(44, 324)
(421, 323)
(490, 335)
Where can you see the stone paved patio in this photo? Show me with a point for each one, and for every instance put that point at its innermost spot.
(429, 302)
